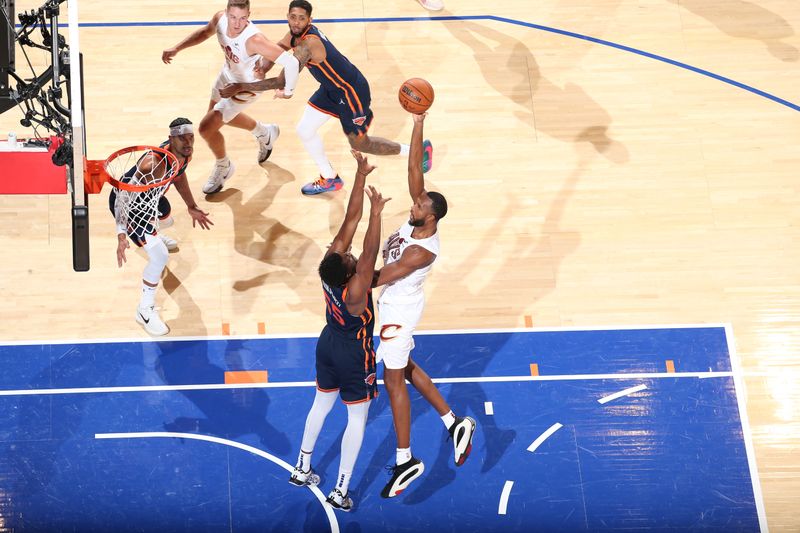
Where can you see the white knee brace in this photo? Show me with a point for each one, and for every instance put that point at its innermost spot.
(158, 255)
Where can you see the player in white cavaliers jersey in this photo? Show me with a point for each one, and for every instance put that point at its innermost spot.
(408, 256)
(248, 54)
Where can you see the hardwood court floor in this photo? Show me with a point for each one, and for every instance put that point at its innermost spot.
(588, 185)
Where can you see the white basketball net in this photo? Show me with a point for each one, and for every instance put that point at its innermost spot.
(140, 178)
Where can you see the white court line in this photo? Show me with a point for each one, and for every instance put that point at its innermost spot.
(489, 408)
(741, 400)
(621, 393)
(504, 497)
(294, 384)
(544, 436)
(261, 453)
(145, 340)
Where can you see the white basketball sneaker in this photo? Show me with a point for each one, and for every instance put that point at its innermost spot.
(267, 142)
(221, 173)
(171, 244)
(148, 318)
(302, 479)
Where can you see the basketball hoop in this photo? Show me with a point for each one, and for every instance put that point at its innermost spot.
(140, 176)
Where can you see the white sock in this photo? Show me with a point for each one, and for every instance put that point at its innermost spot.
(403, 455)
(449, 419)
(224, 162)
(261, 132)
(404, 149)
(351, 442)
(343, 482)
(148, 296)
(304, 461)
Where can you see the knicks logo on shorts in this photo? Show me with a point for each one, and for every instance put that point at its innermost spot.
(359, 121)
(385, 331)
(370, 380)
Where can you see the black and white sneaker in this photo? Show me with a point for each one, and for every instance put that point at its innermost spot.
(303, 479)
(462, 432)
(340, 501)
(402, 476)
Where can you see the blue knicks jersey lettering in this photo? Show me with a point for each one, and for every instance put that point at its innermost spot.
(336, 73)
(341, 321)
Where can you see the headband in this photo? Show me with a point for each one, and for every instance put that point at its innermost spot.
(183, 129)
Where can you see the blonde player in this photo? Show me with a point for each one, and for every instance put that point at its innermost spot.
(244, 47)
(408, 256)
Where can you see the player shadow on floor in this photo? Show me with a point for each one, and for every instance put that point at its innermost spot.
(265, 239)
(228, 413)
(747, 20)
(565, 113)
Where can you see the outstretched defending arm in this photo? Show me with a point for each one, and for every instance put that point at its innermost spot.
(355, 206)
(194, 38)
(416, 182)
(360, 283)
(258, 44)
(302, 52)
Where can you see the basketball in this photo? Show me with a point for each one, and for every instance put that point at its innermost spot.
(416, 95)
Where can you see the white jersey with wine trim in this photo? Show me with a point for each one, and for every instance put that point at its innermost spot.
(238, 67)
(408, 289)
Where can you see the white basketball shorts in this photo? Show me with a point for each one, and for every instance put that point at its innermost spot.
(397, 323)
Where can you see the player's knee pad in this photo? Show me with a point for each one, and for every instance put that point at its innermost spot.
(158, 255)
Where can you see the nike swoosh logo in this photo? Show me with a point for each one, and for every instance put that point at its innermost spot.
(146, 321)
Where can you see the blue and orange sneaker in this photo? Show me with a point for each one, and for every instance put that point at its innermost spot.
(427, 156)
(322, 185)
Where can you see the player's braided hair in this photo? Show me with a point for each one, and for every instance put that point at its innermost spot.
(333, 271)
(302, 4)
(180, 121)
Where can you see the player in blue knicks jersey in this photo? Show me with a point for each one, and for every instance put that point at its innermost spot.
(145, 236)
(343, 93)
(345, 360)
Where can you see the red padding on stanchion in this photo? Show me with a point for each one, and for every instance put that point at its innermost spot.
(31, 170)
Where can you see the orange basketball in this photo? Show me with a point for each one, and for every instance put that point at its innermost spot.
(416, 95)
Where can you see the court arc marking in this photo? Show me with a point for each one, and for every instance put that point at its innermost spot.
(503, 507)
(225, 442)
(295, 384)
(544, 436)
(494, 18)
(620, 394)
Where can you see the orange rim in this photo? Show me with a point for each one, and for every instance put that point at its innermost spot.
(96, 171)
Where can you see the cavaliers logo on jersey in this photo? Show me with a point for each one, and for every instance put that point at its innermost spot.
(359, 121)
(229, 55)
(392, 250)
